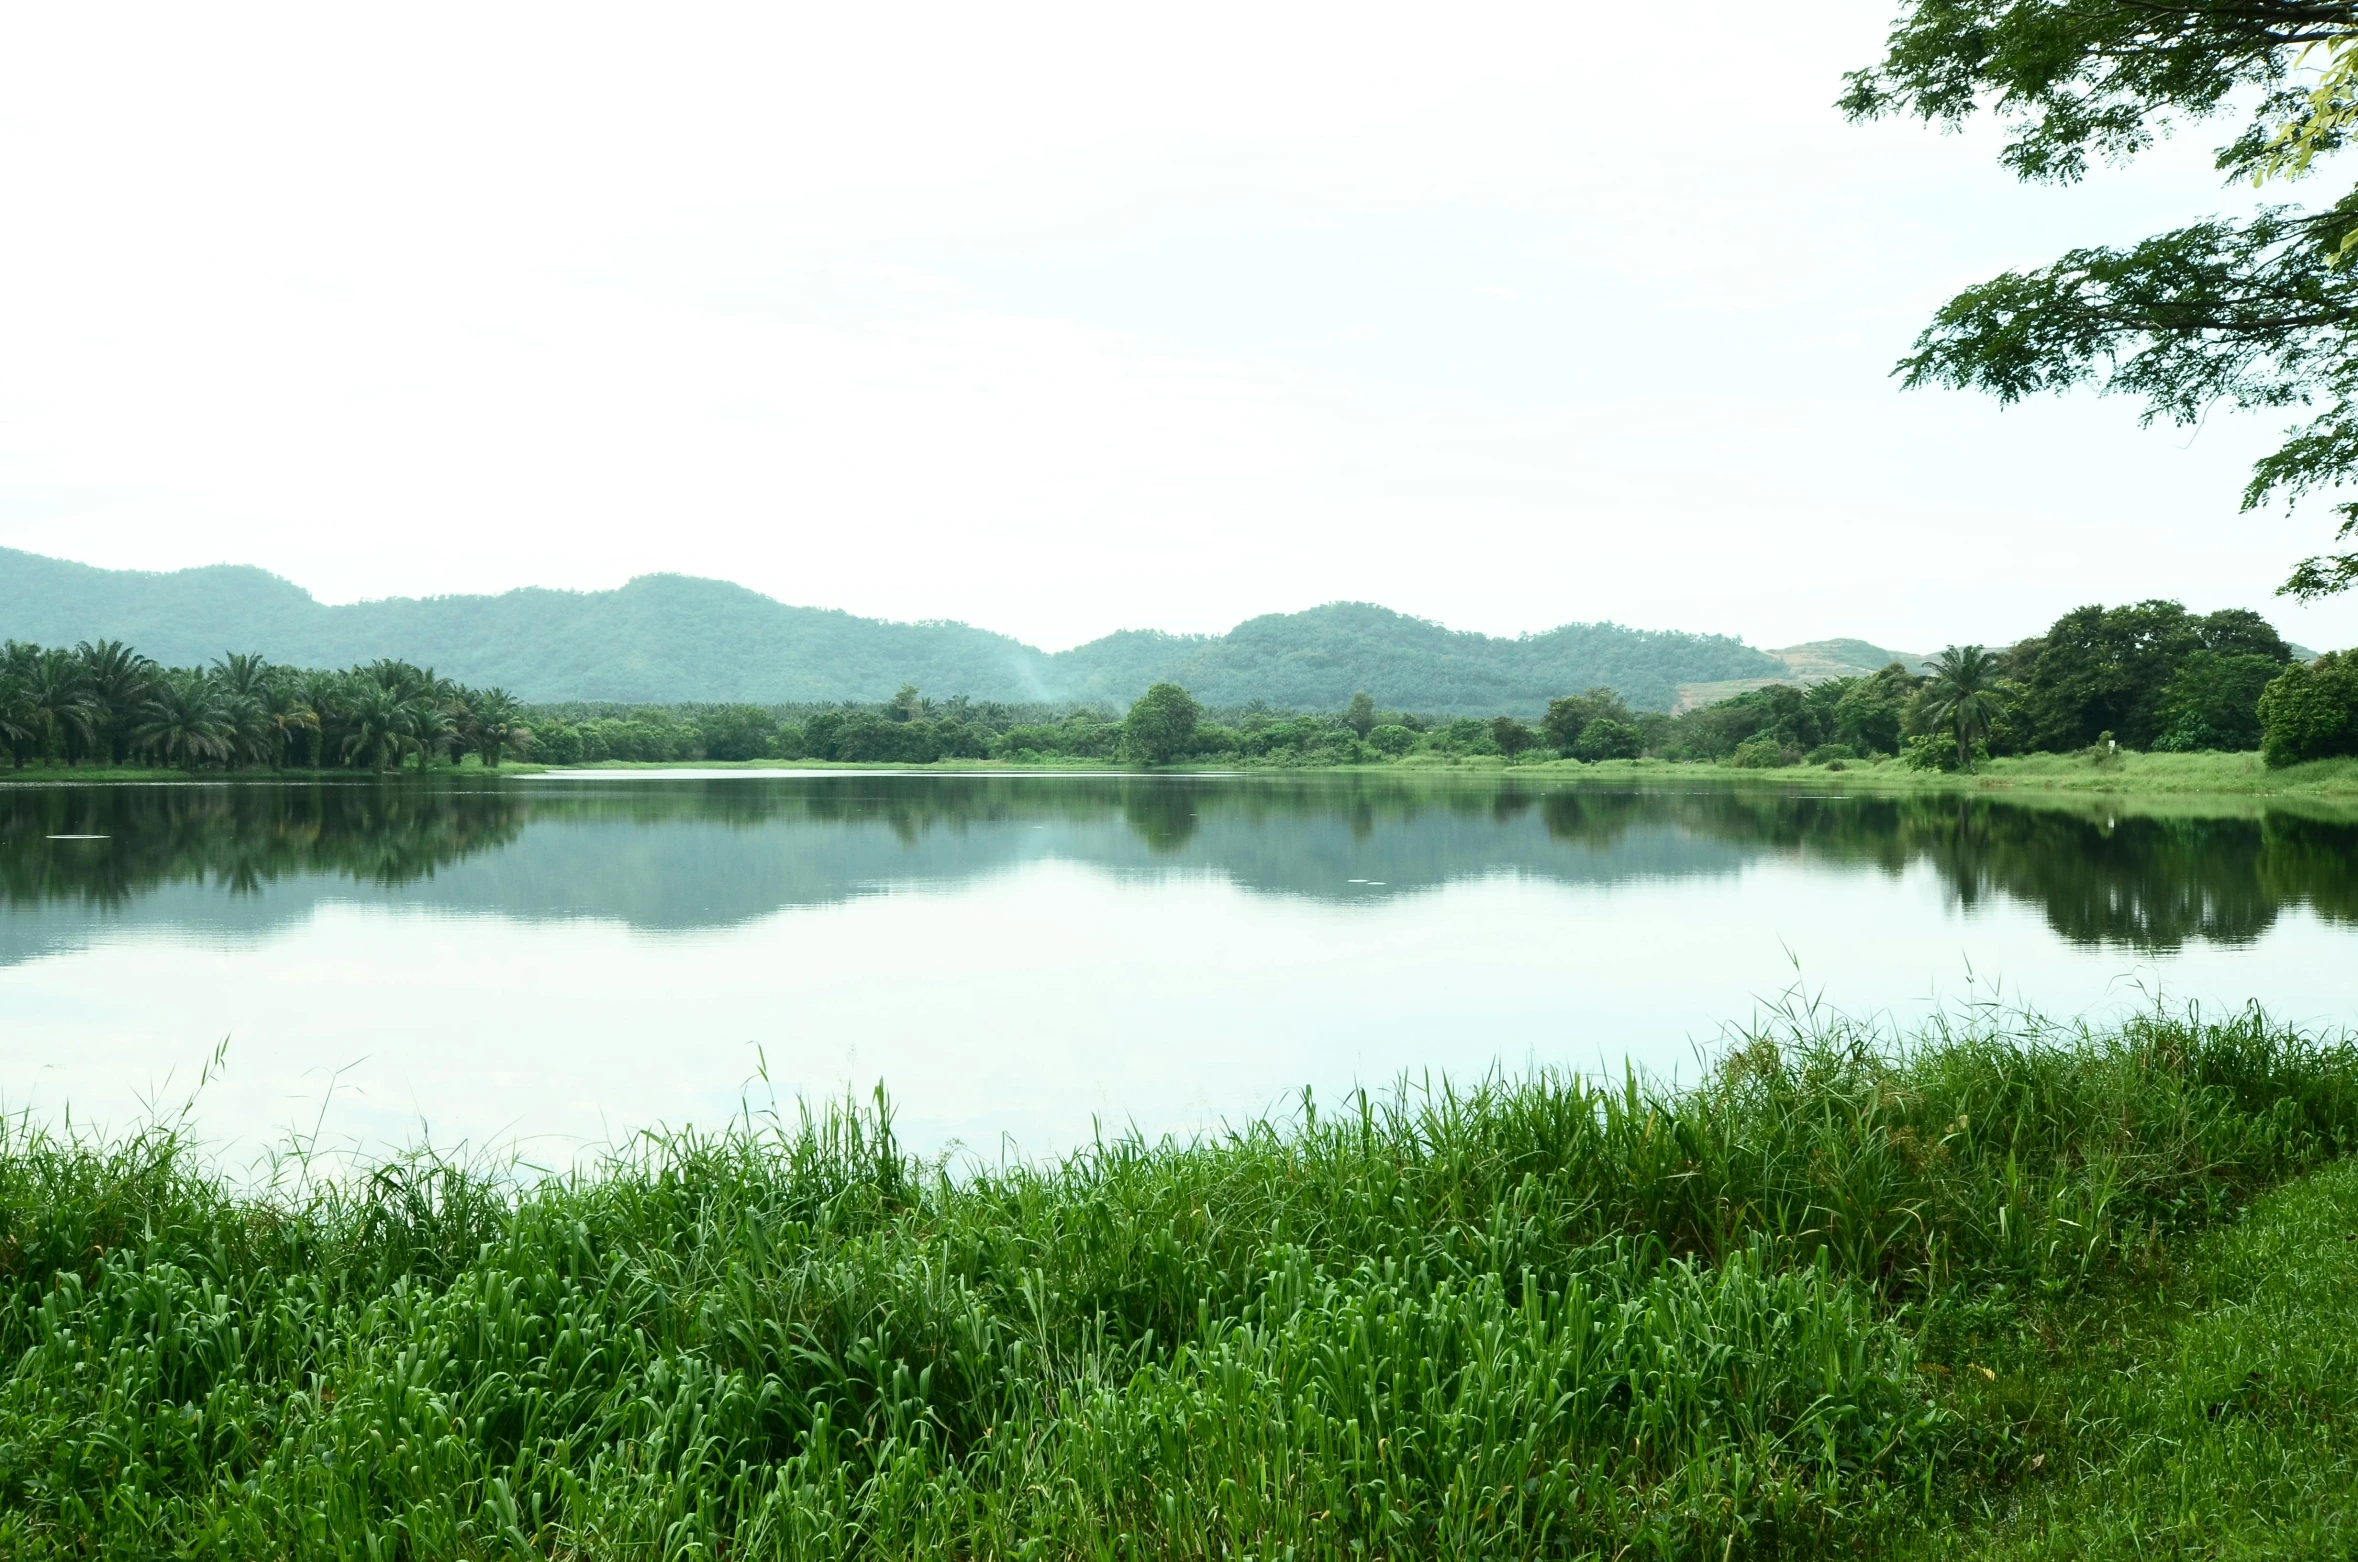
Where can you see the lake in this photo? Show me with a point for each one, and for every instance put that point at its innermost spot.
(549, 962)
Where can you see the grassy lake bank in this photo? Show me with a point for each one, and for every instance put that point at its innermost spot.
(2221, 775)
(2168, 781)
(1852, 1293)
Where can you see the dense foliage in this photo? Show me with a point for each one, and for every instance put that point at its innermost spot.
(2257, 312)
(1539, 1319)
(2312, 712)
(104, 703)
(2145, 676)
(2111, 671)
(670, 638)
(1162, 726)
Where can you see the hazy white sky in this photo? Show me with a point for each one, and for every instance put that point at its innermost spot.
(1067, 320)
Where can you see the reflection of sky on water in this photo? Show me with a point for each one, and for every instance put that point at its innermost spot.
(685, 869)
(1028, 959)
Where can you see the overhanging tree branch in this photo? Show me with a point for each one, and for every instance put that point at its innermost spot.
(2256, 313)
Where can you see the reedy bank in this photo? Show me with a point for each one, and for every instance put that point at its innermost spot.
(1543, 1317)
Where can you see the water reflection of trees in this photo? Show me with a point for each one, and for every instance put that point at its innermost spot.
(2145, 880)
(2149, 881)
(240, 836)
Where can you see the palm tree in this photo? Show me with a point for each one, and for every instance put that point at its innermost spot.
(324, 695)
(16, 717)
(285, 712)
(430, 728)
(1962, 695)
(377, 722)
(119, 680)
(401, 677)
(58, 700)
(250, 733)
(241, 672)
(458, 706)
(184, 722)
(497, 716)
(243, 680)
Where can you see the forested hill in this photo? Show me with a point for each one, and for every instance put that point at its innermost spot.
(676, 638)
(1315, 659)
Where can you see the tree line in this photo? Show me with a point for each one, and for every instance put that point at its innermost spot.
(2144, 676)
(103, 703)
(2147, 676)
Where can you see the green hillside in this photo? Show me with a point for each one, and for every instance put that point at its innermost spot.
(677, 638)
(1314, 660)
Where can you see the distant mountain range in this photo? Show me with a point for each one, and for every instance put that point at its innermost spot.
(678, 638)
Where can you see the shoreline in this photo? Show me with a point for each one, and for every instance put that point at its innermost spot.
(2131, 774)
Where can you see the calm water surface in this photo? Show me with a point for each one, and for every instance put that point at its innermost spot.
(554, 961)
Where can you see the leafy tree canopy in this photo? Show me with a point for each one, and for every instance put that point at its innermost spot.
(1161, 725)
(2311, 712)
(2213, 702)
(2256, 312)
(1572, 715)
(2101, 670)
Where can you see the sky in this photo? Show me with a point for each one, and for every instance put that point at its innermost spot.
(1066, 320)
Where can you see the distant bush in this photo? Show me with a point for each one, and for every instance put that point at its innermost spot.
(2213, 702)
(2311, 712)
(1391, 740)
(1607, 737)
(556, 743)
(1570, 718)
(1763, 753)
(737, 732)
(1510, 736)
(1465, 735)
(648, 737)
(1212, 739)
(867, 736)
(1831, 754)
(1932, 751)
(1294, 739)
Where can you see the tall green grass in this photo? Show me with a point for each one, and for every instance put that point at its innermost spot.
(1537, 1318)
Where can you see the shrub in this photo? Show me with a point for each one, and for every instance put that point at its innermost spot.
(737, 732)
(1391, 740)
(1212, 738)
(1763, 753)
(1510, 736)
(1934, 751)
(555, 743)
(1605, 737)
(2213, 703)
(2311, 712)
(1569, 717)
